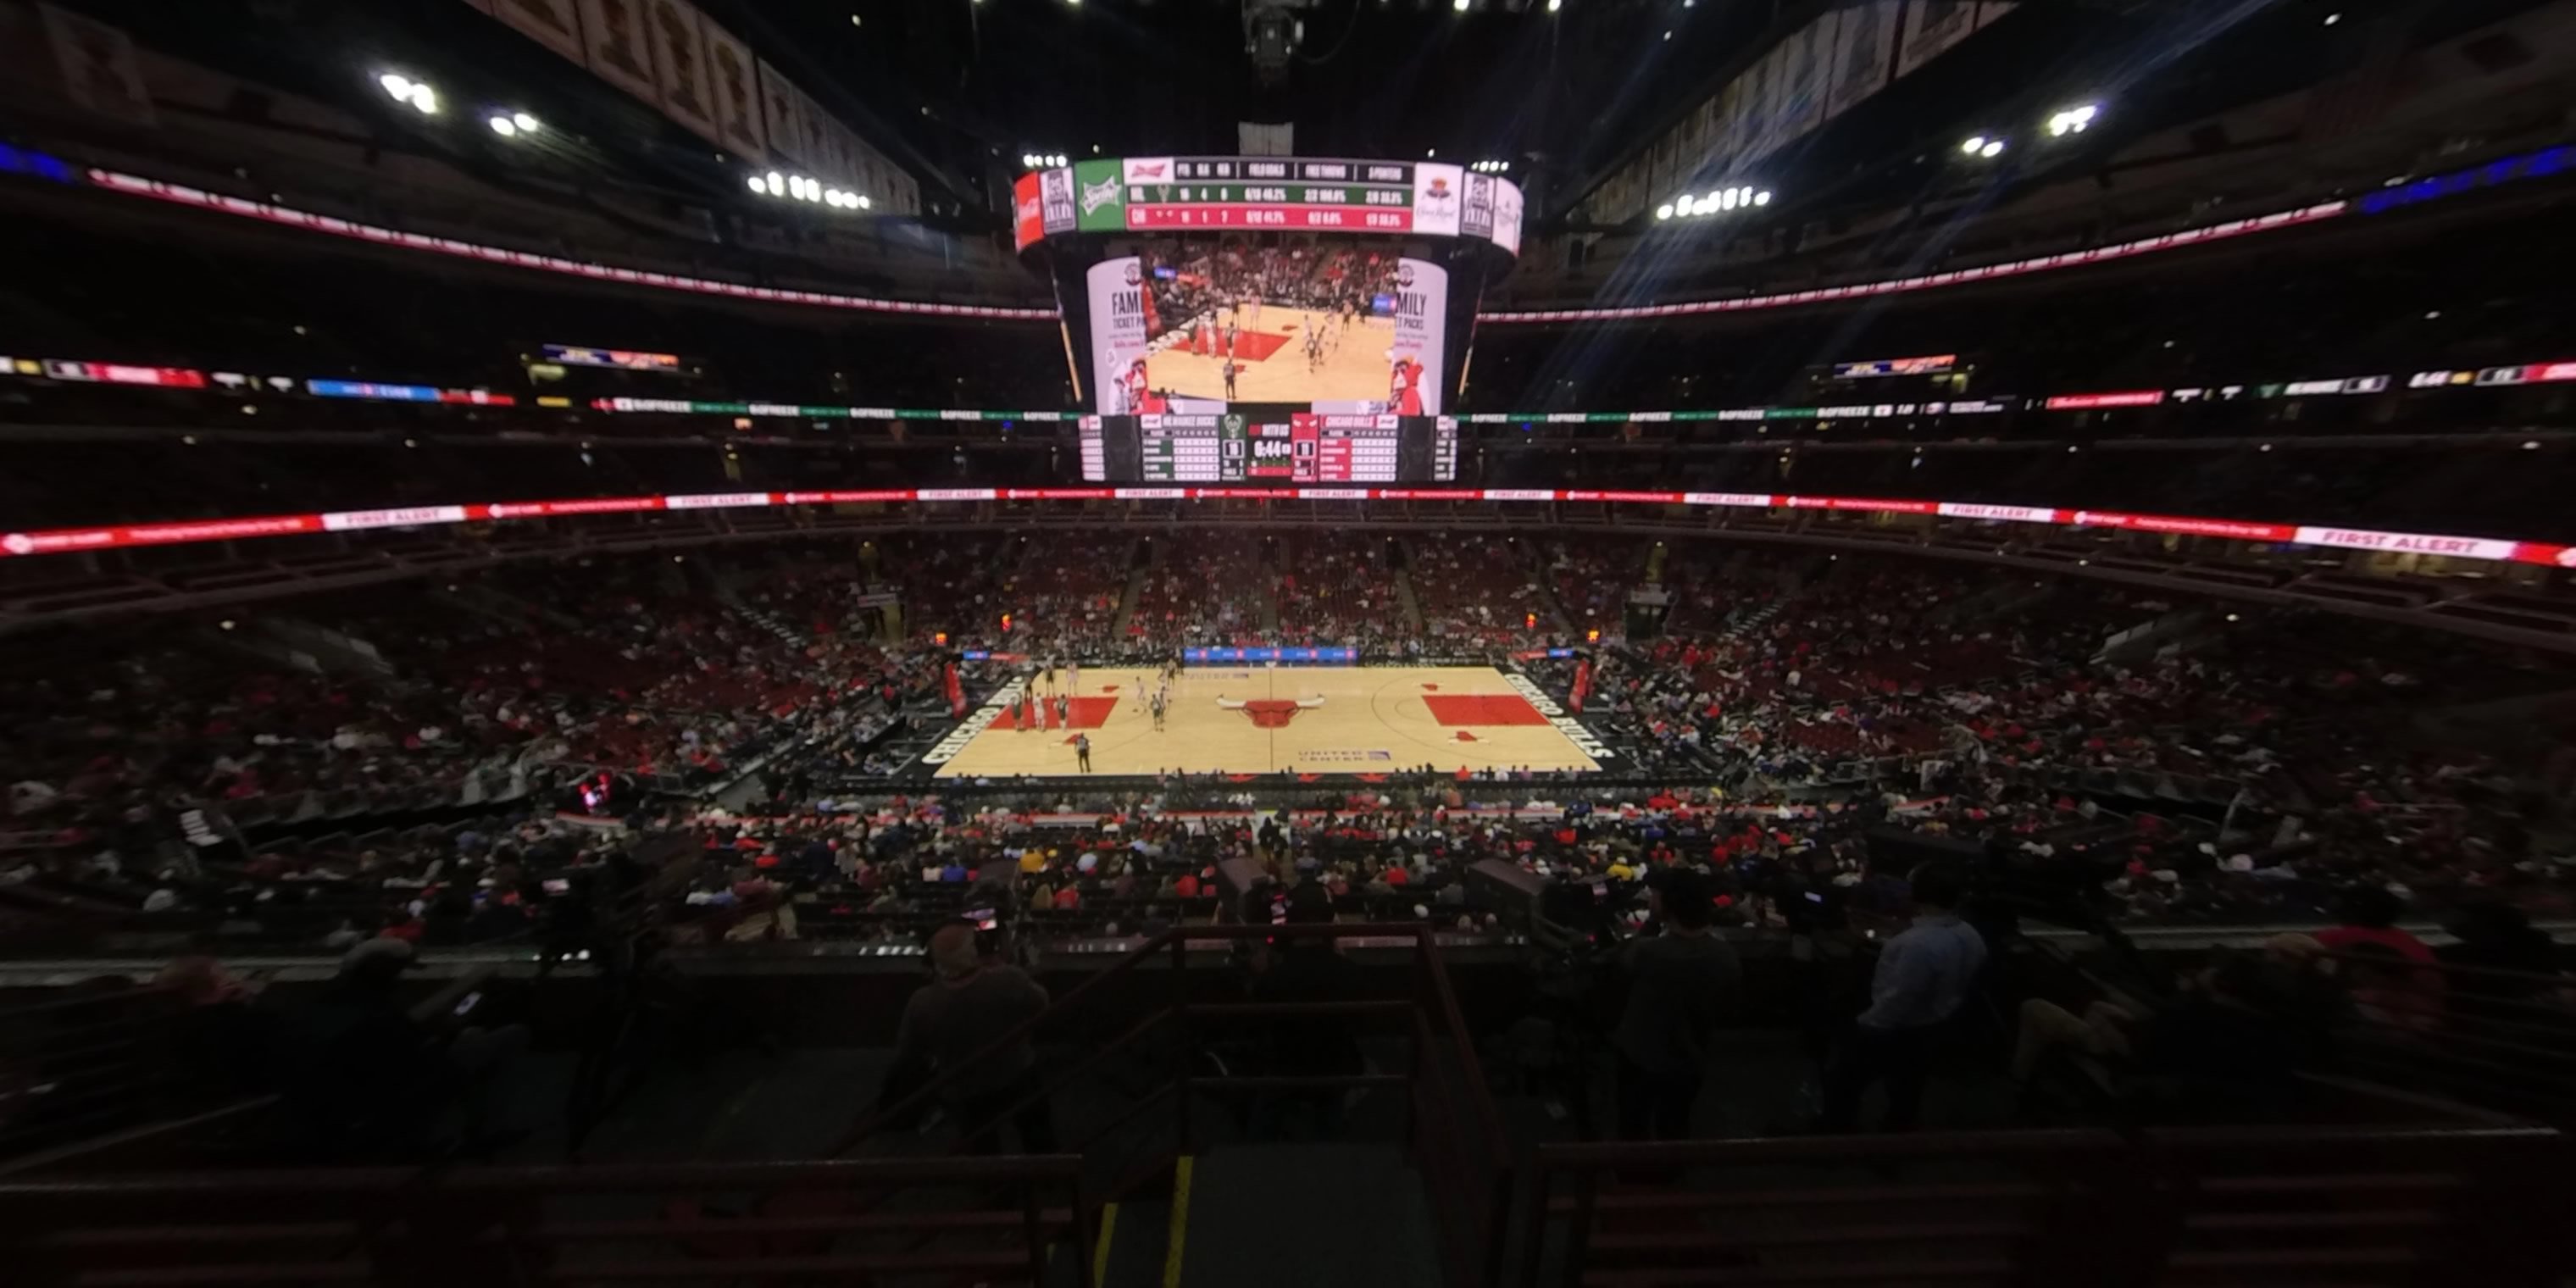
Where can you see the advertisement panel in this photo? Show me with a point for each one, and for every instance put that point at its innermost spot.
(1507, 215)
(1056, 201)
(613, 33)
(1421, 312)
(1437, 192)
(1100, 197)
(1028, 211)
(1116, 290)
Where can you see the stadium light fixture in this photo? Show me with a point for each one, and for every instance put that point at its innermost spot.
(503, 126)
(415, 94)
(1459, 5)
(1664, 211)
(1994, 148)
(2074, 120)
(2333, 18)
(527, 124)
(1554, 5)
(1973, 144)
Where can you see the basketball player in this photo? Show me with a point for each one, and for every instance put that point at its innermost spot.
(1064, 712)
(1233, 335)
(1156, 707)
(1252, 310)
(1028, 708)
(1072, 678)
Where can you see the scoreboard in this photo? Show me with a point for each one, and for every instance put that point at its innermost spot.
(1287, 194)
(1248, 192)
(1302, 447)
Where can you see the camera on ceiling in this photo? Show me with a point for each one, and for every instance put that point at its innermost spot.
(1271, 33)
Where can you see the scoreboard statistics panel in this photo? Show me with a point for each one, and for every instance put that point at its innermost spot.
(1283, 193)
(1298, 448)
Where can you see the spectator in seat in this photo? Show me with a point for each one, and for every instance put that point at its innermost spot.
(1923, 978)
(1682, 981)
(947, 1027)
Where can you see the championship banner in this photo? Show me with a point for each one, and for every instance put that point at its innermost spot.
(1119, 332)
(1413, 365)
(549, 22)
(1056, 201)
(733, 78)
(680, 65)
(613, 32)
(1931, 28)
(99, 70)
(1864, 54)
(784, 110)
(1804, 74)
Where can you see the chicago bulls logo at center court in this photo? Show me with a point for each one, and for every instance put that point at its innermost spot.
(1270, 713)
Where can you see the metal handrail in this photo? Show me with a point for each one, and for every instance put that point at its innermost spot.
(1177, 938)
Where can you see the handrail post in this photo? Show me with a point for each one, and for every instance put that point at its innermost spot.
(1181, 1047)
(1421, 1041)
(1578, 1228)
(1534, 1228)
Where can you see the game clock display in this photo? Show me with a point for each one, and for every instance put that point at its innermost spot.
(1294, 448)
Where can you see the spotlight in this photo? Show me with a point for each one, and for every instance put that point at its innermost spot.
(504, 126)
(1664, 211)
(1994, 148)
(1554, 5)
(396, 84)
(1685, 205)
(1459, 5)
(2333, 18)
(864, 203)
(527, 124)
(1762, 198)
(760, 185)
(777, 185)
(1975, 143)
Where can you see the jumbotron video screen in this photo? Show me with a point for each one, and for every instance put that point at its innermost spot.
(1198, 324)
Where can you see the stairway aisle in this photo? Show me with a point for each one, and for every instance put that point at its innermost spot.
(1301, 1216)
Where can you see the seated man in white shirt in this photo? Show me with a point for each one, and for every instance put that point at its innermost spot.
(1924, 975)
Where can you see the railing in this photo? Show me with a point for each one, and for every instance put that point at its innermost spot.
(2501, 1040)
(80, 1066)
(967, 1220)
(1451, 1128)
(2239, 1206)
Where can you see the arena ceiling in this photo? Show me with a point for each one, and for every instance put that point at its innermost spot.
(956, 91)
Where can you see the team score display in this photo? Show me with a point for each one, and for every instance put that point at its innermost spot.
(1303, 448)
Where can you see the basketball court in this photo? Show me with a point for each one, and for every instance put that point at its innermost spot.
(1273, 362)
(1260, 720)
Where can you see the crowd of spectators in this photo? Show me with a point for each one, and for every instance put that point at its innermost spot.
(1210, 588)
(1478, 590)
(1337, 588)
